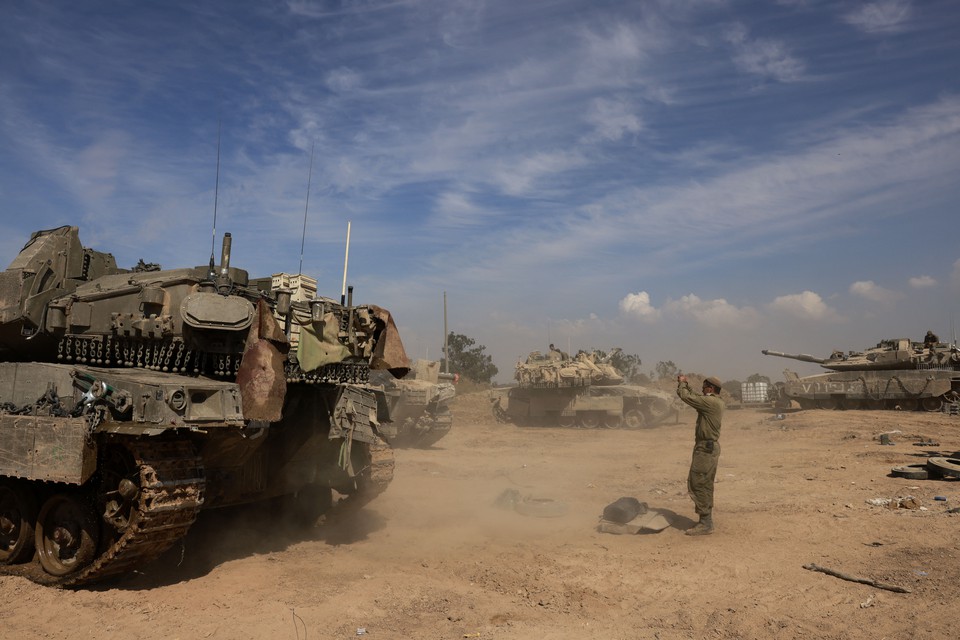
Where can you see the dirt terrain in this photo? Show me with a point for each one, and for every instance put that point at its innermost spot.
(434, 557)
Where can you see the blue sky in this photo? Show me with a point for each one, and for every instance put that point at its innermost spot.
(690, 180)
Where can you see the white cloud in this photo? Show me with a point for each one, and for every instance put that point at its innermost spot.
(638, 305)
(869, 290)
(613, 119)
(456, 209)
(922, 282)
(520, 177)
(763, 56)
(713, 313)
(807, 305)
(882, 16)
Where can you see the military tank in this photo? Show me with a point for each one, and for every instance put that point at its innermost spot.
(418, 403)
(585, 391)
(131, 400)
(895, 374)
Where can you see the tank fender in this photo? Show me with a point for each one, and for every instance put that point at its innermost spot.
(49, 448)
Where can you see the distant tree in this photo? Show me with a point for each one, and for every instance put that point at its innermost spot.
(756, 377)
(733, 388)
(666, 369)
(628, 365)
(468, 360)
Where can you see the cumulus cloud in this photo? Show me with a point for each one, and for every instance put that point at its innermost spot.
(878, 17)
(869, 290)
(763, 56)
(713, 313)
(807, 305)
(922, 282)
(638, 305)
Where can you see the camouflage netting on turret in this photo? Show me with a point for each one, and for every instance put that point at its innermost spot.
(546, 372)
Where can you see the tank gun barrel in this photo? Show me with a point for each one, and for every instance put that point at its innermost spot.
(794, 356)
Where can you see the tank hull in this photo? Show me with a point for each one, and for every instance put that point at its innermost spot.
(585, 407)
(182, 456)
(878, 389)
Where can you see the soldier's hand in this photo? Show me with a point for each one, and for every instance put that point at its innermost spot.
(681, 378)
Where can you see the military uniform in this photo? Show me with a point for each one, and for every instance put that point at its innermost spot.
(706, 453)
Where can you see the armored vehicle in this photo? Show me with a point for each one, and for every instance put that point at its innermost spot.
(130, 400)
(585, 391)
(895, 374)
(419, 404)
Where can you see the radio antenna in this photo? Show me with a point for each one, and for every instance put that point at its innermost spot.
(303, 237)
(216, 194)
(346, 256)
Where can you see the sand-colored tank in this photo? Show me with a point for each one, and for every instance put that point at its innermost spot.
(895, 374)
(419, 404)
(131, 400)
(585, 391)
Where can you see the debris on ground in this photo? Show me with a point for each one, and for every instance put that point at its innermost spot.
(628, 515)
(624, 510)
(905, 502)
(850, 578)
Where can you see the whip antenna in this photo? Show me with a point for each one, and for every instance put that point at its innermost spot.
(305, 207)
(216, 193)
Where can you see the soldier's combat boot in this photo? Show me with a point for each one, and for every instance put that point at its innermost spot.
(702, 528)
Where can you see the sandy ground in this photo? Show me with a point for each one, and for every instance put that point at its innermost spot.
(433, 557)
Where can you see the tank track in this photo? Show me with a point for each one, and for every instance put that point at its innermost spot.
(171, 494)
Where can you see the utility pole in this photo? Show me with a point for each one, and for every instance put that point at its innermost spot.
(446, 353)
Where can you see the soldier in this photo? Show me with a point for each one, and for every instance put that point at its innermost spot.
(706, 451)
(930, 340)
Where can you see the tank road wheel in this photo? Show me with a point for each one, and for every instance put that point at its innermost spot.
(119, 491)
(18, 512)
(658, 410)
(875, 405)
(634, 419)
(932, 403)
(850, 404)
(611, 421)
(566, 421)
(827, 404)
(588, 420)
(67, 534)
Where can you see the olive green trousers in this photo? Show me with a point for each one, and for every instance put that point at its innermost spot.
(703, 472)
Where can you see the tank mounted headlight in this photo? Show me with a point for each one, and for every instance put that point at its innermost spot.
(178, 400)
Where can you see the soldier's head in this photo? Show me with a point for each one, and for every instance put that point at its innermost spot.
(711, 385)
